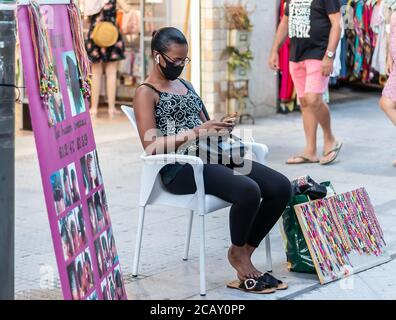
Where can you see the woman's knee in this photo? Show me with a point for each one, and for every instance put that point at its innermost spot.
(387, 104)
(282, 188)
(249, 193)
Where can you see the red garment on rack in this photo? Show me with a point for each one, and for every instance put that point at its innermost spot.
(368, 42)
(286, 83)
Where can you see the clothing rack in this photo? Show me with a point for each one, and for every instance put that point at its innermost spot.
(364, 42)
(13, 6)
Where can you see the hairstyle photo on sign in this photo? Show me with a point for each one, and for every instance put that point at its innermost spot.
(76, 98)
(65, 188)
(56, 108)
(58, 192)
(68, 245)
(84, 273)
(80, 273)
(93, 296)
(119, 286)
(111, 286)
(105, 290)
(112, 247)
(100, 258)
(75, 190)
(88, 268)
(98, 215)
(71, 273)
(56, 104)
(82, 231)
(91, 171)
(105, 249)
(92, 217)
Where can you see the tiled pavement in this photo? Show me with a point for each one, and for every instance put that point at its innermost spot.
(365, 161)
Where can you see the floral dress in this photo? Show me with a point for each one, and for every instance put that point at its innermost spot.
(390, 87)
(113, 53)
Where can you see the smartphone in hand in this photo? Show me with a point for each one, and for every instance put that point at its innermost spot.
(231, 118)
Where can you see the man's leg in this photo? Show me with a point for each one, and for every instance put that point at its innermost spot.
(319, 110)
(310, 122)
(316, 85)
(298, 72)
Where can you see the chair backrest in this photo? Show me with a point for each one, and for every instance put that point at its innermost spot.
(130, 113)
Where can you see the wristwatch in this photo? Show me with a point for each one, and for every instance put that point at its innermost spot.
(330, 54)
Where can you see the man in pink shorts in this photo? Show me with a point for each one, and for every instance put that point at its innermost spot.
(314, 29)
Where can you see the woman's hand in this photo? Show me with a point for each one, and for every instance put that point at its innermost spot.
(230, 118)
(389, 65)
(214, 128)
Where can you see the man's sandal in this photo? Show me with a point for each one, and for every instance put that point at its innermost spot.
(273, 282)
(300, 160)
(336, 150)
(252, 286)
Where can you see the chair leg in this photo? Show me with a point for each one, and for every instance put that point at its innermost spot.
(202, 255)
(139, 235)
(268, 253)
(188, 236)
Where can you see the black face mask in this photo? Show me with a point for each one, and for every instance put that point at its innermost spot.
(170, 71)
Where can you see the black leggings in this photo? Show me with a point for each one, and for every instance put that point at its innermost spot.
(251, 218)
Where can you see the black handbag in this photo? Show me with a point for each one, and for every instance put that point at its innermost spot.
(226, 150)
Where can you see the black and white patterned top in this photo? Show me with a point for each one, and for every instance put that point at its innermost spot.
(174, 114)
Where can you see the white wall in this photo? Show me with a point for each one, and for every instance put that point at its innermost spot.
(263, 82)
(178, 13)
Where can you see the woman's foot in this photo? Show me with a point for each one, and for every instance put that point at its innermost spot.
(239, 259)
(113, 112)
(93, 112)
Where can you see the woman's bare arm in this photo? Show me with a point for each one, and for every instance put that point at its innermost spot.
(144, 106)
(152, 141)
(123, 5)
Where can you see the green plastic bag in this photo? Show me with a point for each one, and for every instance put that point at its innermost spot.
(297, 252)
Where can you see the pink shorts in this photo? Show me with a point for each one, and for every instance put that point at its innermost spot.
(307, 77)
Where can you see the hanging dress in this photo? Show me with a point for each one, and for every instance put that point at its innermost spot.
(286, 82)
(378, 25)
(359, 41)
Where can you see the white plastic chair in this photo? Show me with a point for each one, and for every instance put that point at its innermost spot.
(153, 192)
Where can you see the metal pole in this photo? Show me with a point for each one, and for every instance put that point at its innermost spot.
(7, 152)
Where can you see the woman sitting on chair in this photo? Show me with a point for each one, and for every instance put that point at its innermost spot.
(170, 116)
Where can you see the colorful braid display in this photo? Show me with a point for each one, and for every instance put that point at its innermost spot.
(340, 225)
(83, 62)
(47, 78)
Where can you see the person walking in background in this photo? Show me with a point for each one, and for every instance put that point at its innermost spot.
(314, 29)
(104, 57)
(388, 100)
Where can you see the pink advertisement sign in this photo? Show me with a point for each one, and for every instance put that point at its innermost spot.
(75, 197)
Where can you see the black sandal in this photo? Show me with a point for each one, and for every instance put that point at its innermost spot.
(252, 286)
(270, 280)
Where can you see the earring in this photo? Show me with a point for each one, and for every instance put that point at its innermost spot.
(157, 59)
